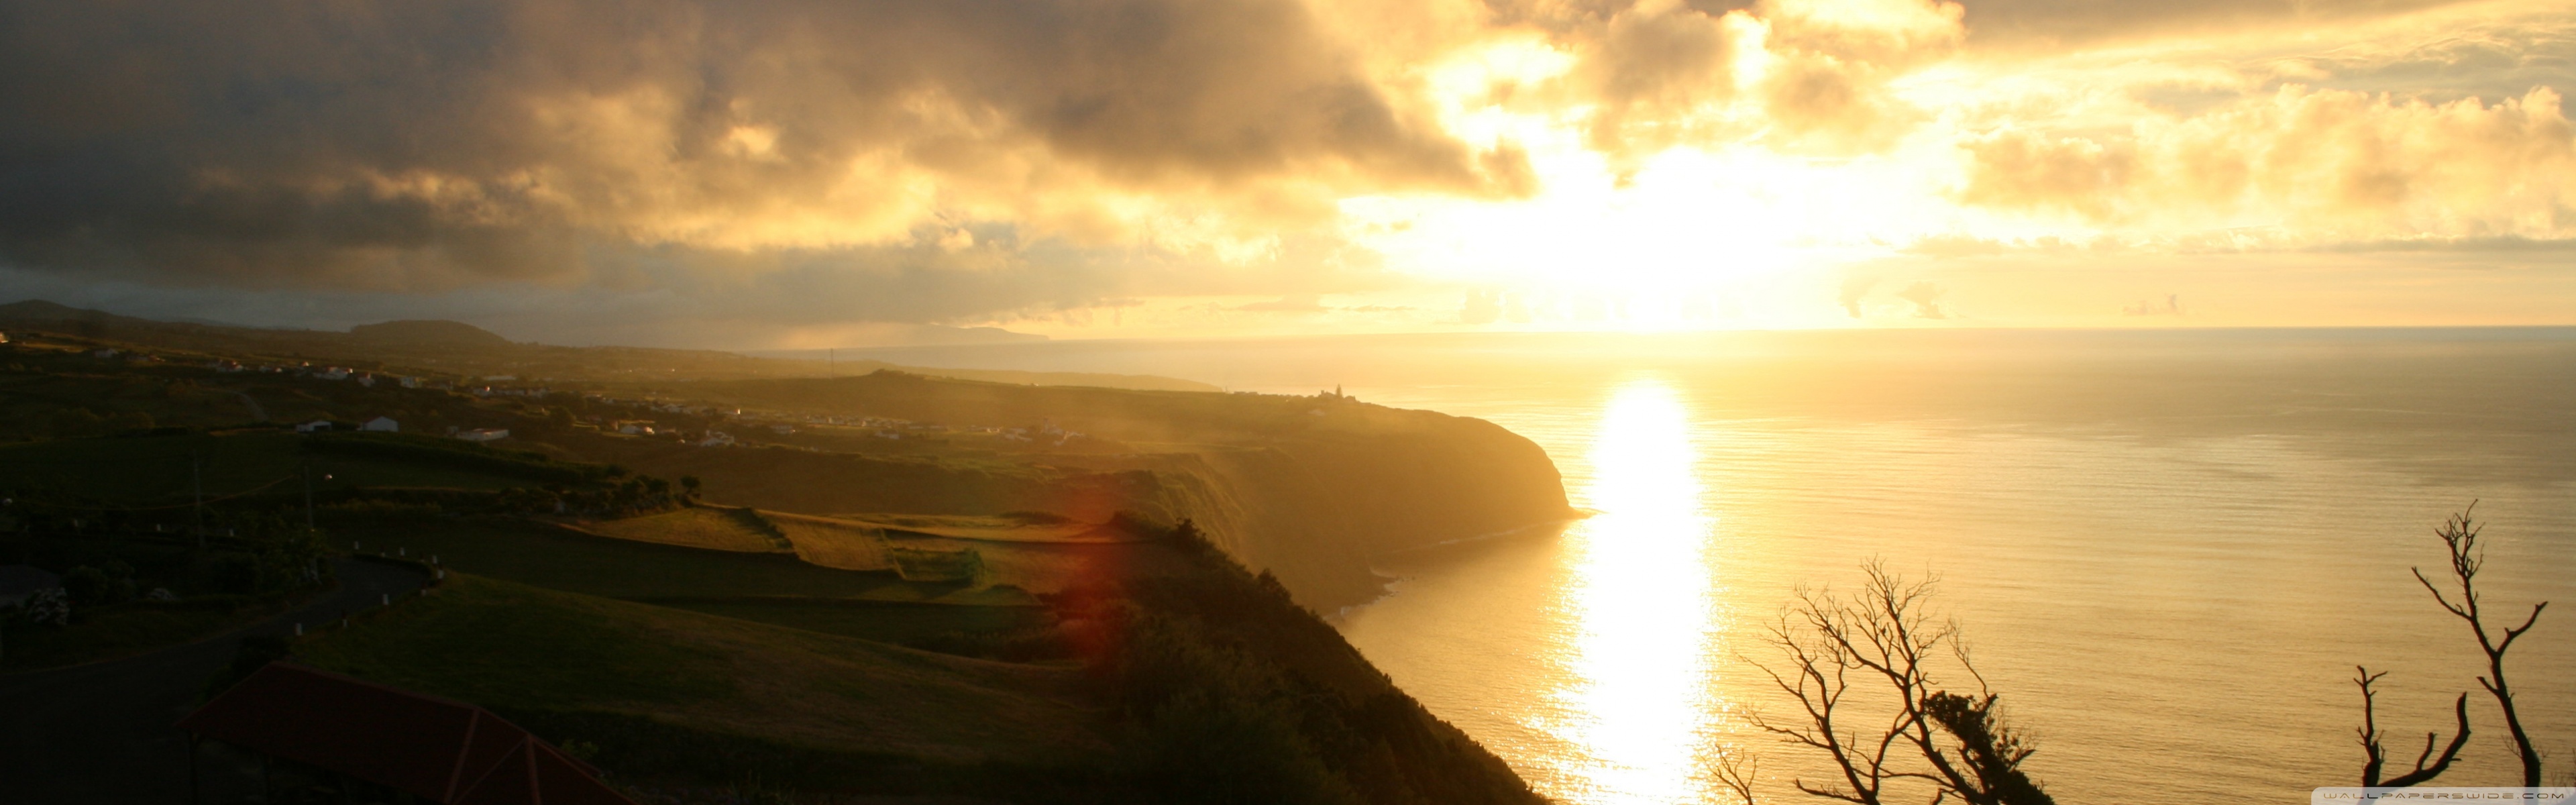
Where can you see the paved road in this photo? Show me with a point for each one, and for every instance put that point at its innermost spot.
(104, 733)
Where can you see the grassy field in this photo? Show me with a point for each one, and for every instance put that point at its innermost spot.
(1037, 565)
(562, 559)
(998, 528)
(715, 529)
(158, 467)
(515, 647)
(834, 543)
(882, 621)
(122, 630)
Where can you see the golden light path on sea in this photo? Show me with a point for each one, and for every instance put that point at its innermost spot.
(1634, 686)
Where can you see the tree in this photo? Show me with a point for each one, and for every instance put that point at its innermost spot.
(1861, 668)
(1991, 751)
(2378, 757)
(89, 586)
(2460, 536)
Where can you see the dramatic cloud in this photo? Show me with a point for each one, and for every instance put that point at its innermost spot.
(748, 169)
(423, 145)
(2332, 162)
(2060, 22)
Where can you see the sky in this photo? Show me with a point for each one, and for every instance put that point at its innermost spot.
(801, 173)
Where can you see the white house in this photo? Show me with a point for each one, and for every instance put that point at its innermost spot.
(716, 439)
(334, 373)
(382, 424)
(368, 381)
(484, 434)
(410, 382)
(313, 426)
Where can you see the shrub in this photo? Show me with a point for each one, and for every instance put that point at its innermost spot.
(90, 586)
(49, 607)
(1205, 746)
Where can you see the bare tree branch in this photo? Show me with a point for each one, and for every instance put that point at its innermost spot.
(2377, 757)
(1737, 771)
(1885, 635)
(2459, 537)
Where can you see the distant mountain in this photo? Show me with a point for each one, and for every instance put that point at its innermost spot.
(38, 312)
(41, 310)
(928, 335)
(428, 332)
(433, 347)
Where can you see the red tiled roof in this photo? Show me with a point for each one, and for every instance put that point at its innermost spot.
(440, 750)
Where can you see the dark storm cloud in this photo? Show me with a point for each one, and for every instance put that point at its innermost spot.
(428, 145)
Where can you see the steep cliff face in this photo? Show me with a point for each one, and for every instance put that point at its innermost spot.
(1266, 509)
(1431, 478)
(1308, 488)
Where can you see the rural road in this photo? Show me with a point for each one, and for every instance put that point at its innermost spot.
(104, 732)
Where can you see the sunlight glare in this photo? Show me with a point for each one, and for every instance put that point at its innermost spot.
(1643, 600)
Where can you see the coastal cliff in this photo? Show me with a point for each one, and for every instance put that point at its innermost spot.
(890, 585)
(1306, 488)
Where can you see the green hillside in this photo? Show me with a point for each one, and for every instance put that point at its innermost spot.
(807, 585)
(551, 655)
(159, 467)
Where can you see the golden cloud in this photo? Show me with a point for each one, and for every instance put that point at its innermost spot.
(2328, 164)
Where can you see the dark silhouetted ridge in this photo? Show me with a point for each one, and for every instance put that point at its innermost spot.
(428, 332)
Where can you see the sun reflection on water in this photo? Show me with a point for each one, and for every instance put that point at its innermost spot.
(1634, 689)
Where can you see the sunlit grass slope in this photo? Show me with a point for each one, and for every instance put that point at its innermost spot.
(832, 542)
(717, 529)
(559, 558)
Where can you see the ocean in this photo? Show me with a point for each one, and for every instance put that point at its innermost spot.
(2166, 549)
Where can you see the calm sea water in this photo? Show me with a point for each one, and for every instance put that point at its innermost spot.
(2167, 549)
